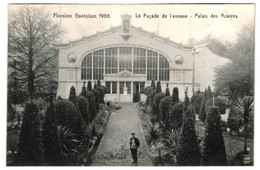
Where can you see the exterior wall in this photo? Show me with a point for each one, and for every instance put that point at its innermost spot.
(180, 74)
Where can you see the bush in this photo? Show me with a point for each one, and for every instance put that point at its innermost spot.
(202, 113)
(214, 153)
(234, 119)
(151, 97)
(30, 146)
(188, 151)
(136, 97)
(102, 93)
(67, 114)
(91, 100)
(164, 109)
(52, 151)
(196, 101)
(176, 116)
(97, 99)
(73, 97)
(156, 103)
(158, 87)
(220, 103)
(84, 108)
(147, 92)
(167, 91)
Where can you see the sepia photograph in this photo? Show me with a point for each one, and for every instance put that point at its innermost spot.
(130, 85)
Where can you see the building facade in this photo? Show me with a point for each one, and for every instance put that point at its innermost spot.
(127, 58)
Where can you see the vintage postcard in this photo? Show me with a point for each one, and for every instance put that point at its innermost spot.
(130, 85)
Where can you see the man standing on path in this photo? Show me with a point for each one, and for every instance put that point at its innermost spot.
(134, 144)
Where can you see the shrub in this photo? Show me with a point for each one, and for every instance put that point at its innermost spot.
(156, 103)
(97, 99)
(73, 97)
(234, 118)
(102, 93)
(153, 133)
(175, 97)
(158, 87)
(176, 116)
(52, 151)
(147, 92)
(153, 84)
(202, 113)
(91, 99)
(98, 83)
(188, 151)
(84, 108)
(214, 153)
(209, 93)
(136, 97)
(167, 91)
(67, 114)
(151, 97)
(30, 146)
(89, 87)
(196, 101)
(220, 103)
(164, 109)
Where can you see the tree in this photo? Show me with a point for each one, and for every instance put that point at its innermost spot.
(89, 87)
(73, 97)
(158, 87)
(164, 109)
(175, 118)
(156, 103)
(98, 83)
(167, 91)
(52, 150)
(238, 74)
(196, 101)
(214, 153)
(30, 146)
(188, 151)
(246, 107)
(202, 113)
(30, 33)
(153, 84)
(84, 108)
(175, 95)
(209, 93)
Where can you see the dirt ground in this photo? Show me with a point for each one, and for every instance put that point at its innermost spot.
(114, 148)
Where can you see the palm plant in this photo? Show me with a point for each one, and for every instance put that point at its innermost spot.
(245, 106)
(159, 149)
(68, 143)
(154, 132)
(171, 141)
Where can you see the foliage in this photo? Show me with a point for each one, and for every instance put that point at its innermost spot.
(164, 109)
(136, 97)
(219, 102)
(209, 93)
(73, 97)
(91, 99)
(97, 98)
(167, 90)
(102, 93)
(149, 89)
(30, 33)
(158, 87)
(153, 133)
(156, 103)
(12, 114)
(98, 83)
(30, 146)
(151, 97)
(67, 114)
(52, 150)
(89, 87)
(145, 90)
(84, 108)
(175, 95)
(246, 107)
(69, 146)
(153, 84)
(196, 101)
(171, 141)
(238, 74)
(176, 116)
(214, 153)
(202, 113)
(188, 151)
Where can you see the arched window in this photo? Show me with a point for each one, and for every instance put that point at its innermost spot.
(116, 59)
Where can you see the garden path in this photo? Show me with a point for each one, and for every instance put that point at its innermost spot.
(114, 149)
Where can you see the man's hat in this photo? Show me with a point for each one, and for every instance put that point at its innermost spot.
(132, 133)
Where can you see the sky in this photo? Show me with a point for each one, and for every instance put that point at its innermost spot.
(179, 30)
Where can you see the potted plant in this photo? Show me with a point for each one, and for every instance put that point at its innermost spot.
(223, 125)
(245, 105)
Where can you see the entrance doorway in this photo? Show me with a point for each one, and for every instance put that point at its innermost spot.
(125, 91)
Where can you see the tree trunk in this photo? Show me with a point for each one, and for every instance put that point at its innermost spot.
(245, 138)
(30, 75)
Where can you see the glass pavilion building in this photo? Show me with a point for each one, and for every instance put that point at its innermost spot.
(127, 58)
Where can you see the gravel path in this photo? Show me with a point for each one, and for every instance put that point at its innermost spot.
(114, 149)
